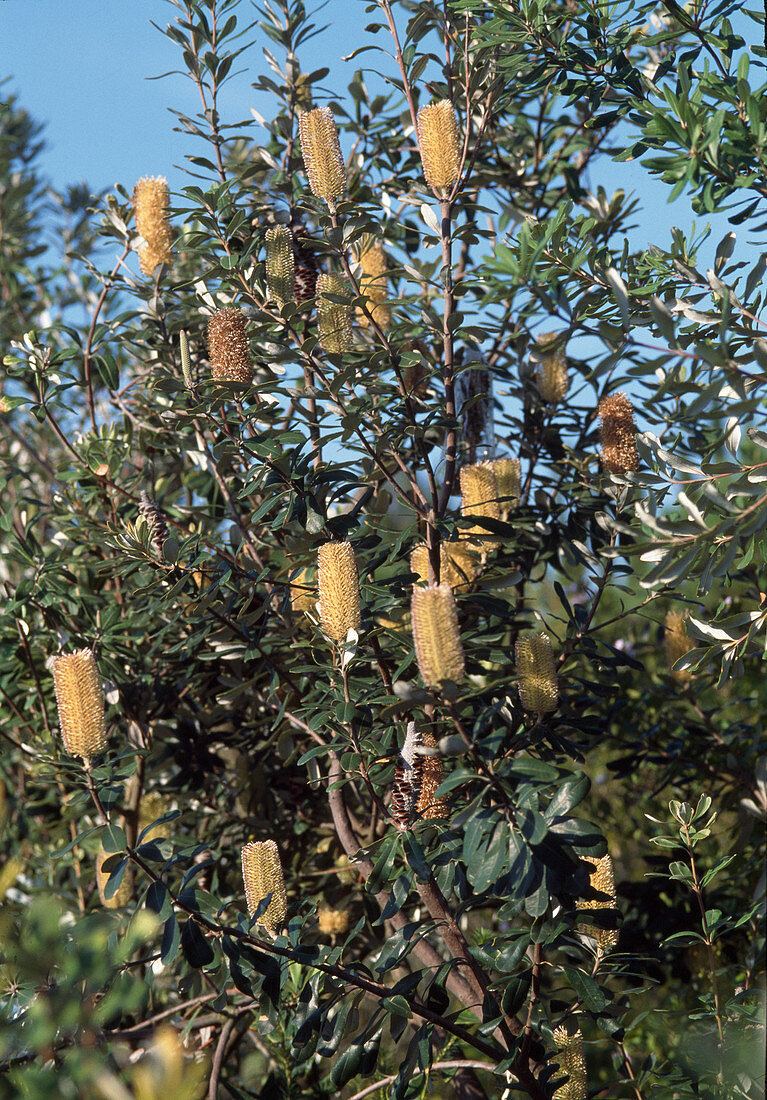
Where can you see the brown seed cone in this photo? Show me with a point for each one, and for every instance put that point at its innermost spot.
(80, 702)
(228, 346)
(335, 322)
(551, 370)
(303, 592)
(677, 642)
(602, 880)
(572, 1063)
(437, 638)
(538, 690)
(321, 151)
(432, 775)
(280, 264)
(406, 788)
(440, 143)
(124, 890)
(457, 564)
(373, 284)
(339, 590)
(333, 922)
(305, 266)
(617, 434)
(262, 875)
(155, 521)
(151, 199)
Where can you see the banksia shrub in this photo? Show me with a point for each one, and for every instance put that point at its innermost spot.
(437, 639)
(151, 199)
(507, 484)
(457, 564)
(333, 922)
(122, 895)
(551, 370)
(617, 434)
(80, 702)
(602, 881)
(440, 143)
(372, 258)
(538, 691)
(479, 493)
(322, 155)
(677, 642)
(334, 317)
(280, 264)
(339, 590)
(572, 1063)
(155, 521)
(228, 346)
(432, 775)
(262, 875)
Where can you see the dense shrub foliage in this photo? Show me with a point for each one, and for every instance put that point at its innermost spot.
(414, 524)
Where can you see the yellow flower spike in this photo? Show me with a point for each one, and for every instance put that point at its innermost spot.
(507, 483)
(677, 642)
(440, 144)
(551, 370)
(124, 891)
(334, 318)
(617, 434)
(479, 493)
(437, 638)
(339, 590)
(602, 880)
(229, 347)
(80, 702)
(572, 1063)
(151, 199)
(321, 151)
(458, 565)
(333, 922)
(303, 592)
(372, 259)
(538, 690)
(262, 875)
(280, 264)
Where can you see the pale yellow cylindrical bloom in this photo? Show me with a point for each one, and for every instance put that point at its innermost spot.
(437, 638)
(335, 322)
(261, 876)
(151, 199)
(440, 144)
(551, 370)
(677, 642)
(372, 259)
(572, 1062)
(538, 690)
(322, 155)
(602, 880)
(80, 702)
(280, 264)
(339, 590)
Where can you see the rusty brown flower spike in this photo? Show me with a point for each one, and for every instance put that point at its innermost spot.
(262, 875)
(339, 590)
(322, 155)
(80, 702)
(228, 346)
(602, 880)
(440, 144)
(151, 199)
(551, 370)
(572, 1063)
(280, 264)
(437, 639)
(538, 690)
(334, 318)
(617, 434)
(677, 642)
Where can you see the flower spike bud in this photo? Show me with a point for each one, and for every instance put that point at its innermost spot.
(538, 691)
(602, 881)
(677, 642)
(551, 370)
(437, 639)
(432, 774)
(334, 317)
(617, 434)
(479, 492)
(80, 702)
(339, 590)
(262, 875)
(440, 144)
(572, 1063)
(151, 199)
(372, 259)
(507, 482)
(228, 346)
(280, 264)
(321, 151)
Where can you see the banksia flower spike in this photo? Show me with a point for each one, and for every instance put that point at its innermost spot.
(339, 590)
(551, 370)
(440, 143)
(124, 891)
(303, 592)
(228, 346)
(322, 155)
(538, 691)
(80, 702)
(334, 317)
(602, 881)
(437, 639)
(432, 774)
(262, 875)
(572, 1062)
(617, 434)
(372, 259)
(333, 922)
(280, 264)
(155, 521)
(479, 493)
(458, 566)
(151, 200)
(507, 484)
(677, 642)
